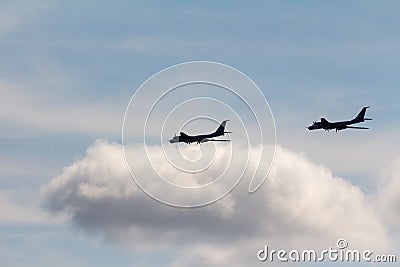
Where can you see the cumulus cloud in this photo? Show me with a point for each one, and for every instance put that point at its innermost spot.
(389, 194)
(302, 205)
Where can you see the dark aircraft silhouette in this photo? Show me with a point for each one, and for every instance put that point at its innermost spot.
(201, 138)
(340, 125)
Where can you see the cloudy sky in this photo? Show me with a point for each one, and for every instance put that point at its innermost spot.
(69, 69)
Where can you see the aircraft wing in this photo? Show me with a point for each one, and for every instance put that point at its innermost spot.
(355, 127)
(214, 140)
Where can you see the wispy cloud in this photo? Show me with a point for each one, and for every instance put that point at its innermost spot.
(40, 111)
(17, 14)
(19, 212)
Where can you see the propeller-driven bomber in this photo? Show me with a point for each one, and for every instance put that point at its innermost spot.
(202, 138)
(340, 125)
(323, 124)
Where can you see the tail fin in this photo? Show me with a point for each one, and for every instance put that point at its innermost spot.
(360, 116)
(221, 128)
(324, 121)
(183, 134)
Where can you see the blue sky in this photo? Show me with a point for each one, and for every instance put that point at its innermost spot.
(68, 70)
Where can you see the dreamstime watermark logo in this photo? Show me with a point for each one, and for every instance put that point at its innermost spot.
(341, 253)
(195, 97)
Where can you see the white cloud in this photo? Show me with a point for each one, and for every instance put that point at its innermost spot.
(389, 194)
(351, 154)
(302, 205)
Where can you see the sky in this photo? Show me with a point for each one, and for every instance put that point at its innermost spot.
(70, 68)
